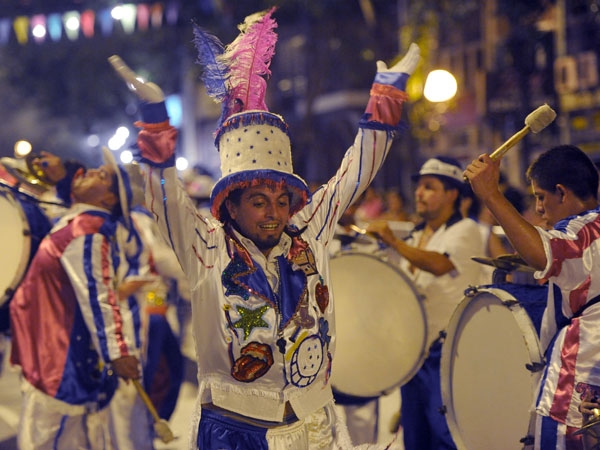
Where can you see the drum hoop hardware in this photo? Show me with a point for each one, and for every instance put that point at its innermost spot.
(509, 303)
(527, 440)
(471, 291)
(535, 367)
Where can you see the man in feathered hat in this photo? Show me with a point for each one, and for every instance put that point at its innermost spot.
(262, 310)
(68, 326)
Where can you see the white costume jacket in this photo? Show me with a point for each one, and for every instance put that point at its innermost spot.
(264, 329)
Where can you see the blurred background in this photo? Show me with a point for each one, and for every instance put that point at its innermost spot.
(507, 57)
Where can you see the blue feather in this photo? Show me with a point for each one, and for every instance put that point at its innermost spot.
(215, 73)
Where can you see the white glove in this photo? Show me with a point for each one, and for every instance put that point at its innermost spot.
(407, 64)
(145, 90)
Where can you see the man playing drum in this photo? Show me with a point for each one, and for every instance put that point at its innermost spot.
(565, 184)
(437, 258)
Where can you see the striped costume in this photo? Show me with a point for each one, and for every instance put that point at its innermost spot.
(67, 325)
(572, 343)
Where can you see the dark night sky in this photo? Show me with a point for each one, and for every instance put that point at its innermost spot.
(57, 93)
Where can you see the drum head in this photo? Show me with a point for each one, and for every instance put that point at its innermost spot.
(14, 245)
(380, 326)
(486, 388)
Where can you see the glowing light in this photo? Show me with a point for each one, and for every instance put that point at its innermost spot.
(181, 163)
(440, 86)
(123, 132)
(39, 31)
(93, 140)
(71, 21)
(115, 143)
(22, 149)
(117, 12)
(38, 28)
(126, 156)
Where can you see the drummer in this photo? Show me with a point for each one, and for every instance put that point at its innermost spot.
(565, 184)
(437, 258)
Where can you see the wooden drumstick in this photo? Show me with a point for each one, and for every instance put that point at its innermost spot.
(536, 121)
(161, 427)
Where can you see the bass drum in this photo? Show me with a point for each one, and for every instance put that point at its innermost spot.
(22, 227)
(380, 326)
(491, 364)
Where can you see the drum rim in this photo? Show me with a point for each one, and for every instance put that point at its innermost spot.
(531, 339)
(418, 297)
(21, 268)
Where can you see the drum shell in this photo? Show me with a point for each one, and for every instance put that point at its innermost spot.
(491, 363)
(23, 226)
(381, 329)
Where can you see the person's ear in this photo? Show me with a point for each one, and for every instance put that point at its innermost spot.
(231, 209)
(561, 191)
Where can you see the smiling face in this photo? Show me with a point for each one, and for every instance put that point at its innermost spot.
(96, 187)
(261, 215)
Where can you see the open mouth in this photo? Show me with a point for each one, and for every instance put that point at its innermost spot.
(269, 227)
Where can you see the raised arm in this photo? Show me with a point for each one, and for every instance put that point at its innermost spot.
(483, 174)
(176, 214)
(362, 161)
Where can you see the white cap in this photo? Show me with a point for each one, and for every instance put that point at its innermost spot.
(450, 168)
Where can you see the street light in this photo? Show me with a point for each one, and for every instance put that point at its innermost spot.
(22, 149)
(440, 86)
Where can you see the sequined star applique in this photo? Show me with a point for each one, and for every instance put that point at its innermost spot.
(250, 319)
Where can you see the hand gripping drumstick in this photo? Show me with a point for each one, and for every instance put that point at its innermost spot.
(161, 427)
(535, 121)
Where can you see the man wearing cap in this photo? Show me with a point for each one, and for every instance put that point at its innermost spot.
(262, 309)
(68, 326)
(437, 258)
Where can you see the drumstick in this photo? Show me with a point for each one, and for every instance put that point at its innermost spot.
(362, 231)
(536, 121)
(161, 427)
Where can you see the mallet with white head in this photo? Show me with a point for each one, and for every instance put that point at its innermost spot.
(535, 122)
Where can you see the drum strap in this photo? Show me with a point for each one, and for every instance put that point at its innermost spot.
(577, 314)
(580, 311)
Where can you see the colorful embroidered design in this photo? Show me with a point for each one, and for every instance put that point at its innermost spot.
(322, 296)
(302, 319)
(302, 256)
(306, 361)
(250, 319)
(255, 360)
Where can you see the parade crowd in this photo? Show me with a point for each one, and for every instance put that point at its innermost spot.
(125, 262)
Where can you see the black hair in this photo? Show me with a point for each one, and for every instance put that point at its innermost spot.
(567, 165)
(235, 197)
(63, 187)
(117, 210)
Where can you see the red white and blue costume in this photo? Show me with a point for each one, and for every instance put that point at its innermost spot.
(570, 324)
(67, 326)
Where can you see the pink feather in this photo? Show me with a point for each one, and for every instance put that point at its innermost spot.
(248, 58)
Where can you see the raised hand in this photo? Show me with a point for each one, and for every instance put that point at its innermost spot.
(407, 64)
(145, 90)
